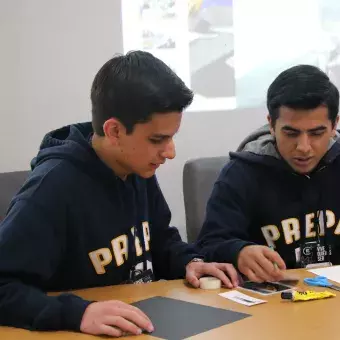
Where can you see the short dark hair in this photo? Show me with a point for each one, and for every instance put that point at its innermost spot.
(302, 87)
(133, 87)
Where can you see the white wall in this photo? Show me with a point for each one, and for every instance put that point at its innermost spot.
(50, 52)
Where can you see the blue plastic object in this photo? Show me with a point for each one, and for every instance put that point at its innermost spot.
(320, 281)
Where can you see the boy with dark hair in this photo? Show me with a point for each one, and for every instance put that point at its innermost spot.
(92, 214)
(279, 190)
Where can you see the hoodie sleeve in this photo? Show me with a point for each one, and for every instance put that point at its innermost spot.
(228, 215)
(30, 250)
(170, 254)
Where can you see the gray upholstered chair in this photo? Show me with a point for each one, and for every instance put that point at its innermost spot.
(10, 183)
(199, 176)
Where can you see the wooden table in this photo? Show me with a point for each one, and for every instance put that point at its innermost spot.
(275, 319)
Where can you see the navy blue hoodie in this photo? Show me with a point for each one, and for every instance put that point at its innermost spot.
(74, 224)
(259, 199)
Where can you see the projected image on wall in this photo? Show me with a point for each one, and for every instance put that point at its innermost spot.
(152, 25)
(211, 51)
(157, 18)
(194, 37)
(330, 18)
(229, 51)
(287, 33)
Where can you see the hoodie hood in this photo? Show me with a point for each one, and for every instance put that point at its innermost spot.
(260, 147)
(62, 144)
(72, 143)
